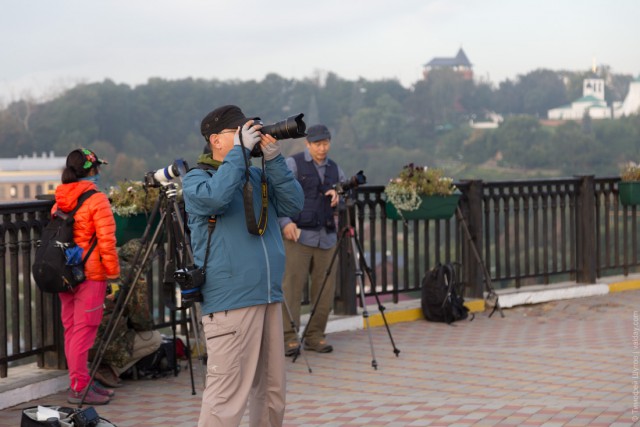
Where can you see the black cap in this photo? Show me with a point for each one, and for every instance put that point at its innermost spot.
(226, 117)
(317, 133)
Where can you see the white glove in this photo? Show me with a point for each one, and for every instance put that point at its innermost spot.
(271, 151)
(250, 137)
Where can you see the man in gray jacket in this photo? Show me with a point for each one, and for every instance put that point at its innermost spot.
(242, 293)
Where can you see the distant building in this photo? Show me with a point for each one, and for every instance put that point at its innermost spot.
(591, 103)
(594, 104)
(631, 104)
(459, 63)
(22, 178)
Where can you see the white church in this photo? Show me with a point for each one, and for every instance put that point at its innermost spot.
(594, 104)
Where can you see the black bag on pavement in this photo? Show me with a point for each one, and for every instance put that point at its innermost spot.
(69, 417)
(161, 362)
(51, 271)
(441, 298)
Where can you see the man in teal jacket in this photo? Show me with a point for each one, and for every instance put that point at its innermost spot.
(242, 294)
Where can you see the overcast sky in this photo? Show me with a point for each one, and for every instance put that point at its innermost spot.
(50, 45)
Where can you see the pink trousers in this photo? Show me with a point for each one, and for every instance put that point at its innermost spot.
(81, 316)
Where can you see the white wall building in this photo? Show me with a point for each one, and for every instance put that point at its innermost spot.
(591, 103)
(22, 178)
(631, 104)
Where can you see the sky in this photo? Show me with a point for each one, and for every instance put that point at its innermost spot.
(49, 46)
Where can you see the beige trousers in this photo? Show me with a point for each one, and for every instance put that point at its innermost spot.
(245, 363)
(301, 264)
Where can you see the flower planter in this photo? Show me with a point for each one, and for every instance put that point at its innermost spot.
(629, 192)
(431, 207)
(131, 227)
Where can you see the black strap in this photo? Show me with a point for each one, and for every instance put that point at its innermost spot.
(212, 226)
(84, 196)
(93, 246)
(69, 215)
(258, 228)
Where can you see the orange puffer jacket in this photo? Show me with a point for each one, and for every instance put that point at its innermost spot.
(94, 216)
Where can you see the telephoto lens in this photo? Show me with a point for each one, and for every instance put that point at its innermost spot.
(291, 127)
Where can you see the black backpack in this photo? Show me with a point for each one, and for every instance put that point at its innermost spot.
(50, 269)
(160, 363)
(442, 299)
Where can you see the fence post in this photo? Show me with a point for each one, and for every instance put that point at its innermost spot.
(586, 230)
(345, 299)
(471, 207)
(53, 332)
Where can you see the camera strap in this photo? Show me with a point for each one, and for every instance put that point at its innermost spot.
(256, 228)
(210, 227)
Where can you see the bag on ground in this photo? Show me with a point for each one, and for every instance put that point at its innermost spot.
(161, 362)
(58, 264)
(60, 416)
(441, 298)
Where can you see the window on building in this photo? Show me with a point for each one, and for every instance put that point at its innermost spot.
(13, 192)
(27, 191)
(38, 189)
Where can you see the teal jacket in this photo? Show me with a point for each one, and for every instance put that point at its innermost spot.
(243, 269)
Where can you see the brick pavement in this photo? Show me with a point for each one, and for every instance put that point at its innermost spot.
(563, 363)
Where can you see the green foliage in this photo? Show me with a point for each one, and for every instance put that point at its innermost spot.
(405, 190)
(132, 197)
(377, 126)
(630, 172)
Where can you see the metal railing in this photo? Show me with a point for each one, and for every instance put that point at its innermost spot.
(527, 232)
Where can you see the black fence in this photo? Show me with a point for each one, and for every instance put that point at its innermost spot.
(526, 232)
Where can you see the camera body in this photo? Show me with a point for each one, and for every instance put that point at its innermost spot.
(190, 279)
(291, 127)
(351, 183)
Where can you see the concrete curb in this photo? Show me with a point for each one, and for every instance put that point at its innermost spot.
(508, 299)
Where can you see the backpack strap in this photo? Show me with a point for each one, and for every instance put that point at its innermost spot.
(83, 197)
(66, 215)
(93, 246)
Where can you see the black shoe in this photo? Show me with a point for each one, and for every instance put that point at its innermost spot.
(320, 347)
(291, 349)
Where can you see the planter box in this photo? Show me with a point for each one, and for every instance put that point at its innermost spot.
(629, 192)
(131, 227)
(432, 207)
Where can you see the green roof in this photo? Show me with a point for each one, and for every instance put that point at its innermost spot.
(589, 98)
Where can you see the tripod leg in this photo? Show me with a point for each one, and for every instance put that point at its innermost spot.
(197, 334)
(365, 312)
(381, 308)
(183, 322)
(491, 293)
(297, 331)
(320, 292)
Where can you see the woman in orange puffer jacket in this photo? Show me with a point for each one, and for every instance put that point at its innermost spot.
(82, 308)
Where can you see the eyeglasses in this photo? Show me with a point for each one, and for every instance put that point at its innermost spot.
(227, 131)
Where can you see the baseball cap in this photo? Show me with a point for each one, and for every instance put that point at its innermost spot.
(91, 159)
(317, 133)
(225, 117)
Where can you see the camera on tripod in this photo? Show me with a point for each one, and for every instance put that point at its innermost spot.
(164, 176)
(291, 127)
(351, 183)
(190, 280)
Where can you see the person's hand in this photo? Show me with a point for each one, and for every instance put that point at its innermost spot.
(270, 147)
(291, 232)
(113, 287)
(250, 135)
(334, 197)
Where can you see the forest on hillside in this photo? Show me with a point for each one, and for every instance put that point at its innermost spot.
(377, 126)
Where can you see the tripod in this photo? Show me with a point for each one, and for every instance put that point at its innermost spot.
(492, 296)
(171, 226)
(361, 267)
